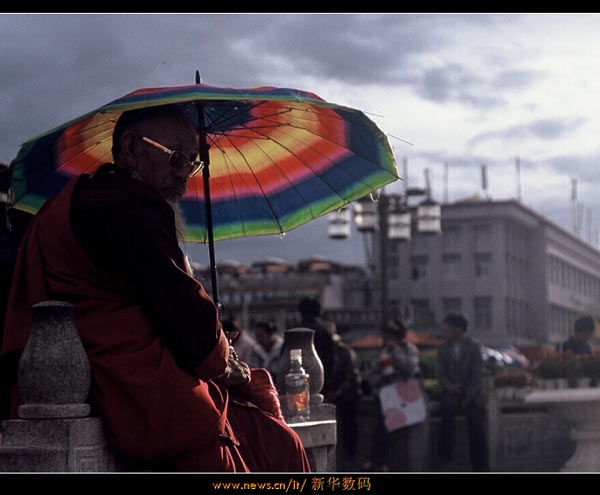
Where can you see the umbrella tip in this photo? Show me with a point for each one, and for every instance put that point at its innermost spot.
(198, 77)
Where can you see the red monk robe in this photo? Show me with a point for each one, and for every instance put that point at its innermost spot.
(155, 411)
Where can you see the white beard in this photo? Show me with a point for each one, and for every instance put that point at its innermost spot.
(179, 229)
(179, 219)
(173, 203)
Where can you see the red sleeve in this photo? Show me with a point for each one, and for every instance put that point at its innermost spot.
(216, 362)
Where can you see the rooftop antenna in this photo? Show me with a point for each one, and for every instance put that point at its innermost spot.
(574, 208)
(405, 173)
(589, 224)
(518, 177)
(484, 181)
(427, 183)
(445, 182)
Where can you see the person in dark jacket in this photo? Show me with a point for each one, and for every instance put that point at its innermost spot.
(310, 312)
(579, 343)
(460, 376)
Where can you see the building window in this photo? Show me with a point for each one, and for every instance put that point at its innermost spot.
(483, 264)
(516, 317)
(482, 236)
(483, 313)
(451, 266)
(423, 316)
(419, 267)
(553, 271)
(452, 305)
(452, 239)
(393, 266)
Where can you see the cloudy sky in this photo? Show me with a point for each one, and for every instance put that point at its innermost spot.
(454, 92)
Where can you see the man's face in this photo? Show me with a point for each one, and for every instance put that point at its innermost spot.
(152, 164)
(452, 332)
(262, 337)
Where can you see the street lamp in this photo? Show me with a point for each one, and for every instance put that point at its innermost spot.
(429, 217)
(339, 224)
(388, 215)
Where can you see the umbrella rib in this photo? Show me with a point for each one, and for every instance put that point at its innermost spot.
(85, 151)
(229, 110)
(229, 164)
(243, 126)
(222, 122)
(229, 114)
(268, 202)
(314, 174)
(255, 128)
(324, 156)
(324, 137)
(312, 108)
(344, 200)
(35, 183)
(274, 124)
(284, 175)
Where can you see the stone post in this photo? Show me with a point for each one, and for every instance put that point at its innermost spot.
(54, 371)
(54, 433)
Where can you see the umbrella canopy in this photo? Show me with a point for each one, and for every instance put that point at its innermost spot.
(278, 157)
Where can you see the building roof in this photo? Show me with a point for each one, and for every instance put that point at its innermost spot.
(519, 207)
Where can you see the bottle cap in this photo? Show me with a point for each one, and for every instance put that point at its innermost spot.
(296, 354)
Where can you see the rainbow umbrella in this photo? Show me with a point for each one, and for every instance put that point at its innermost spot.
(274, 158)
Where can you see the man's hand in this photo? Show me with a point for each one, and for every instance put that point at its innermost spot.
(237, 373)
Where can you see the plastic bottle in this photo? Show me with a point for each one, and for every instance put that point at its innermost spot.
(297, 392)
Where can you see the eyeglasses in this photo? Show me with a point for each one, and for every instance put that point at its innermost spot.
(178, 160)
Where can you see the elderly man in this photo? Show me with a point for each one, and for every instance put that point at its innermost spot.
(162, 374)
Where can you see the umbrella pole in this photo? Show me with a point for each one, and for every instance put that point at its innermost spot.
(205, 158)
(209, 229)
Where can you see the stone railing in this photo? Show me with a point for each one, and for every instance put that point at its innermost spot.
(521, 437)
(54, 432)
(319, 437)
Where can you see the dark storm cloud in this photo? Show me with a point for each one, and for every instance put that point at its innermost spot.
(56, 67)
(584, 168)
(515, 78)
(456, 83)
(361, 49)
(543, 129)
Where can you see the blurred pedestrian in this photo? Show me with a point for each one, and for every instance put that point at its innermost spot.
(579, 343)
(310, 313)
(460, 376)
(401, 407)
(268, 351)
(344, 391)
(242, 342)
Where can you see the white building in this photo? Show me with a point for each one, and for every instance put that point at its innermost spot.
(520, 278)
